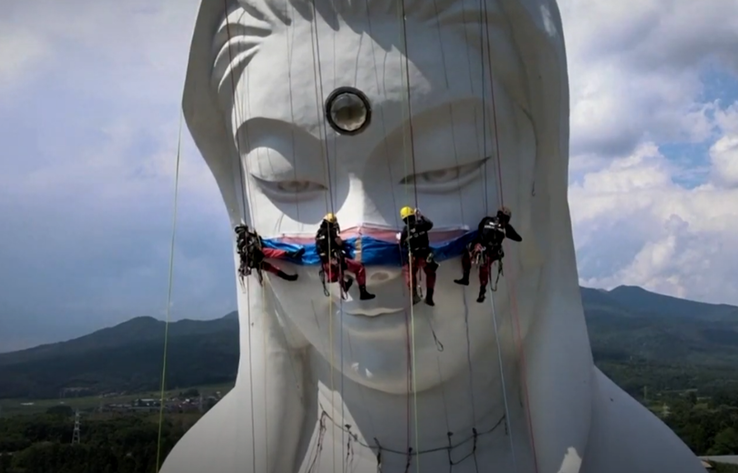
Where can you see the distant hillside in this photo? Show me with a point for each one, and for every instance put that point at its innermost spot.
(127, 357)
(640, 300)
(137, 330)
(634, 334)
(631, 322)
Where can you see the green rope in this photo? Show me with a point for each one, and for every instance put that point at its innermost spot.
(404, 68)
(169, 295)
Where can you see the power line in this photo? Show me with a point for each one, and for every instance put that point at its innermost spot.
(76, 432)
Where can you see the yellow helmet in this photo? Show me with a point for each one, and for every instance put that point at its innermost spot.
(330, 217)
(405, 212)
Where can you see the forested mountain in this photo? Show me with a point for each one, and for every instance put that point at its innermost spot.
(648, 338)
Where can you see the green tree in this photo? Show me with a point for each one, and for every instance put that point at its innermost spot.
(190, 393)
(725, 443)
(60, 411)
(692, 398)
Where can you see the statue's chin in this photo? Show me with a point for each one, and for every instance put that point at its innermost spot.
(387, 370)
(425, 347)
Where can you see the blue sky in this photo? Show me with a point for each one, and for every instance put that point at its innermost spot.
(720, 87)
(89, 108)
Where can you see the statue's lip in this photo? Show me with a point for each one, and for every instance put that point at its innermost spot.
(382, 304)
(375, 312)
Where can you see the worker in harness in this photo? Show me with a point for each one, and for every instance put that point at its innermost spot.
(417, 253)
(252, 255)
(487, 247)
(334, 259)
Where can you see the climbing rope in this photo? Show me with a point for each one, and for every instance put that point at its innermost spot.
(319, 94)
(502, 380)
(238, 105)
(511, 295)
(238, 113)
(378, 448)
(412, 362)
(483, 25)
(471, 376)
(458, 189)
(169, 294)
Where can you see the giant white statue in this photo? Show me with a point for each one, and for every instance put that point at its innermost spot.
(359, 108)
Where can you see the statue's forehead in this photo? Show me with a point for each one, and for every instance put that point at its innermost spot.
(289, 80)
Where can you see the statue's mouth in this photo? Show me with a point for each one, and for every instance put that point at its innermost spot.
(371, 308)
(375, 312)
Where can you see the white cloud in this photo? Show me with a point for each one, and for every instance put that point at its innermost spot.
(20, 51)
(637, 73)
(117, 81)
(724, 152)
(635, 69)
(634, 225)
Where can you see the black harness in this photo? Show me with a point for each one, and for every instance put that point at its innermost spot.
(492, 234)
(325, 244)
(250, 254)
(417, 240)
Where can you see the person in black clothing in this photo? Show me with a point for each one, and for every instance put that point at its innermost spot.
(334, 259)
(252, 255)
(488, 245)
(417, 253)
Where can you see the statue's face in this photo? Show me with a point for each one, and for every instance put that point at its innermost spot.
(284, 150)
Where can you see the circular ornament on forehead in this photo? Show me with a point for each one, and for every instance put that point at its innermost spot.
(348, 111)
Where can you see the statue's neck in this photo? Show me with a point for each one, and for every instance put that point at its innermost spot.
(470, 407)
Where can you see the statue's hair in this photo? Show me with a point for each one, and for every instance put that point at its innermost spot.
(245, 24)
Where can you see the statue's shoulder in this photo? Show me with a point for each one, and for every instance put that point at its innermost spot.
(217, 443)
(627, 437)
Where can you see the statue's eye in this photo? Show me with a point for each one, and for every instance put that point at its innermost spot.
(443, 175)
(299, 186)
(446, 179)
(296, 188)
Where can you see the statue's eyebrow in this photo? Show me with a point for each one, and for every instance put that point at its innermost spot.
(426, 110)
(428, 158)
(294, 143)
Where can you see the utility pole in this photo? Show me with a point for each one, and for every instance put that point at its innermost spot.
(75, 434)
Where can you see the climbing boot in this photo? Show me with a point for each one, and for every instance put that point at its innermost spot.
(429, 297)
(482, 294)
(346, 284)
(416, 296)
(287, 277)
(364, 295)
(464, 281)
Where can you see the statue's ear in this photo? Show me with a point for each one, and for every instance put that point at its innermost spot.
(203, 113)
